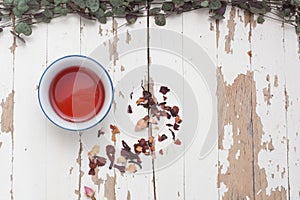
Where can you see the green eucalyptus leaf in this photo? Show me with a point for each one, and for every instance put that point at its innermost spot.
(160, 19)
(48, 13)
(286, 12)
(102, 20)
(215, 4)
(103, 6)
(204, 4)
(131, 18)
(154, 11)
(93, 5)
(257, 11)
(57, 9)
(45, 3)
(116, 3)
(7, 3)
(118, 11)
(298, 28)
(23, 28)
(295, 3)
(168, 6)
(178, 2)
(57, 2)
(99, 14)
(109, 14)
(46, 19)
(17, 13)
(79, 3)
(22, 6)
(64, 11)
(260, 19)
(33, 5)
(217, 17)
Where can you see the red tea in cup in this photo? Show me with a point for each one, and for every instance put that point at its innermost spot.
(76, 94)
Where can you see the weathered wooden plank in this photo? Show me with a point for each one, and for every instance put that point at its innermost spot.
(30, 134)
(202, 169)
(235, 173)
(7, 111)
(63, 148)
(271, 171)
(291, 71)
(122, 51)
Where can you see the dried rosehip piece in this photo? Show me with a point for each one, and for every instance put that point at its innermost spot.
(162, 137)
(129, 109)
(176, 127)
(174, 111)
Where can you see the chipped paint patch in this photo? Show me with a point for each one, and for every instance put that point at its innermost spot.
(128, 195)
(267, 91)
(71, 170)
(231, 29)
(96, 180)
(109, 187)
(270, 145)
(217, 32)
(113, 45)
(244, 178)
(122, 68)
(286, 96)
(128, 37)
(276, 81)
(7, 116)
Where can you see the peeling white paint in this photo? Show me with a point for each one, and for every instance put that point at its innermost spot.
(228, 137)
(222, 190)
(237, 155)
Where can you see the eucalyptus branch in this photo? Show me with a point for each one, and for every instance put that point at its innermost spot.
(28, 13)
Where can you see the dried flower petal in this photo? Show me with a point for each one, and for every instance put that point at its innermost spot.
(110, 152)
(165, 98)
(92, 172)
(161, 152)
(131, 93)
(114, 129)
(178, 119)
(141, 124)
(121, 160)
(131, 168)
(95, 150)
(89, 192)
(140, 100)
(177, 142)
(164, 90)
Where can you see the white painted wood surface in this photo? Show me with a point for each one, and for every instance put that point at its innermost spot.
(41, 161)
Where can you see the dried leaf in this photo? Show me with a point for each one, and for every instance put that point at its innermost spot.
(131, 168)
(89, 192)
(164, 90)
(141, 124)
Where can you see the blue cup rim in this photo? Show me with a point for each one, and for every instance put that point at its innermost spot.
(110, 83)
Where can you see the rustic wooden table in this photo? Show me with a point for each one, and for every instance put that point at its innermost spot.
(249, 84)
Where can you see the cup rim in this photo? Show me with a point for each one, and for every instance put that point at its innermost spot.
(97, 121)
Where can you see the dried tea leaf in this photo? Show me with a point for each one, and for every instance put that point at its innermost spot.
(164, 90)
(178, 120)
(120, 168)
(129, 109)
(176, 127)
(162, 137)
(174, 111)
(93, 5)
